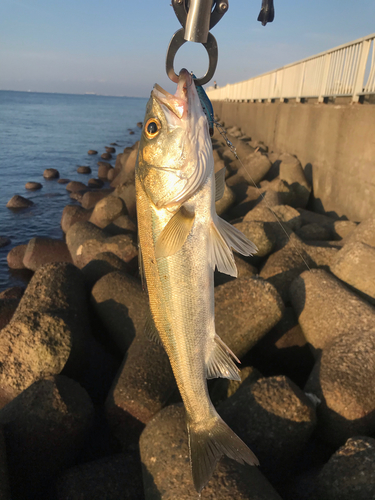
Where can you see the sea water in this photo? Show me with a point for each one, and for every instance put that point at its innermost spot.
(39, 131)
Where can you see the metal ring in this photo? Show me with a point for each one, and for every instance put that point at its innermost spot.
(176, 42)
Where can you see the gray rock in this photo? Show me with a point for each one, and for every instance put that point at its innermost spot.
(313, 232)
(83, 169)
(103, 170)
(45, 428)
(95, 183)
(72, 214)
(226, 201)
(4, 482)
(33, 186)
(355, 265)
(343, 228)
(107, 210)
(110, 149)
(48, 330)
(127, 193)
(104, 263)
(127, 173)
(122, 306)
(51, 173)
(91, 198)
(4, 241)
(78, 195)
(15, 257)
(343, 380)
(92, 152)
(74, 186)
(283, 266)
(18, 201)
(41, 251)
(350, 473)
(167, 474)
(9, 300)
(106, 156)
(121, 225)
(224, 388)
(292, 173)
(142, 387)
(275, 418)
(364, 232)
(117, 477)
(244, 270)
(63, 181)
(257, 232)
(326, 309)
(239, 325)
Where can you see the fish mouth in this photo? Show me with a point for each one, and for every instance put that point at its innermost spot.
(179, 102)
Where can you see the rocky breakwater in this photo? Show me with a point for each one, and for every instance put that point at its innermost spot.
(89, 405)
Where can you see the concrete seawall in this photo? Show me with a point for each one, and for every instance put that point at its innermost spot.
(334, 142)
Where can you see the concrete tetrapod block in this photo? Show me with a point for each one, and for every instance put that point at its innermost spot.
(343, 380)
(355, 265)
(104, 263)
(107, 210)
(72, 214)
(117, 477)
(167, 473)
(350, 472)
(48, 330)
(141, 389)
(4, 481)
(45, 428)
(245, 310)
(291, 171)
(326, 309)
(85, 241)
(257, 232)
(364, 232)
(122, 306)
(275, 418)
(41, 251)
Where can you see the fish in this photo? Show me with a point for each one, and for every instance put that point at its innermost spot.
(181, 241)
(267, 12)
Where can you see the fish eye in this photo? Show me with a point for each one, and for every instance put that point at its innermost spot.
(152, 128)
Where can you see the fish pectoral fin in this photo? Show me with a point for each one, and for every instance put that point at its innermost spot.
(151, 331)
(219, 184)
(220, 363)
(208, 442)
(174, 234)
(220, 255)
(234, 238)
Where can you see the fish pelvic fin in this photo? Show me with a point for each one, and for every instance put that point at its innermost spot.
(220, 363)
(220, 255)
(208, 442)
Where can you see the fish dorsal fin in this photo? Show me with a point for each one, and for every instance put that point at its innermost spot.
(220, 255)
(151, 331)
(174, 235)
(220, 363)
(219, 184)
(234, 238)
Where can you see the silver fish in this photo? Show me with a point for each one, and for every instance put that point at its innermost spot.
(182, 239)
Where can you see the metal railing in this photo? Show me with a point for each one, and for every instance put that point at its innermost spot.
(335, 73)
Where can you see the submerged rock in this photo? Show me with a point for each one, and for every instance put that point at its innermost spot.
(18, 201)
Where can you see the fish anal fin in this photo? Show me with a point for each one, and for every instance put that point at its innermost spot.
(220, 363)
(220, 254)
(234, 238)
(208, 442)
(219, 184)
(151, 331)
(174, 235)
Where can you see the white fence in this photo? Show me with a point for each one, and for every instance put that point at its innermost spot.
(335, 73)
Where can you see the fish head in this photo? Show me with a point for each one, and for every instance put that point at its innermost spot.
(175, 144)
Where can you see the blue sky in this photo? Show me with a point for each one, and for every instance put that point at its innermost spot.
(118, 47)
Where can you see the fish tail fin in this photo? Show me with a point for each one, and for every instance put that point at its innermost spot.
(208, 442)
